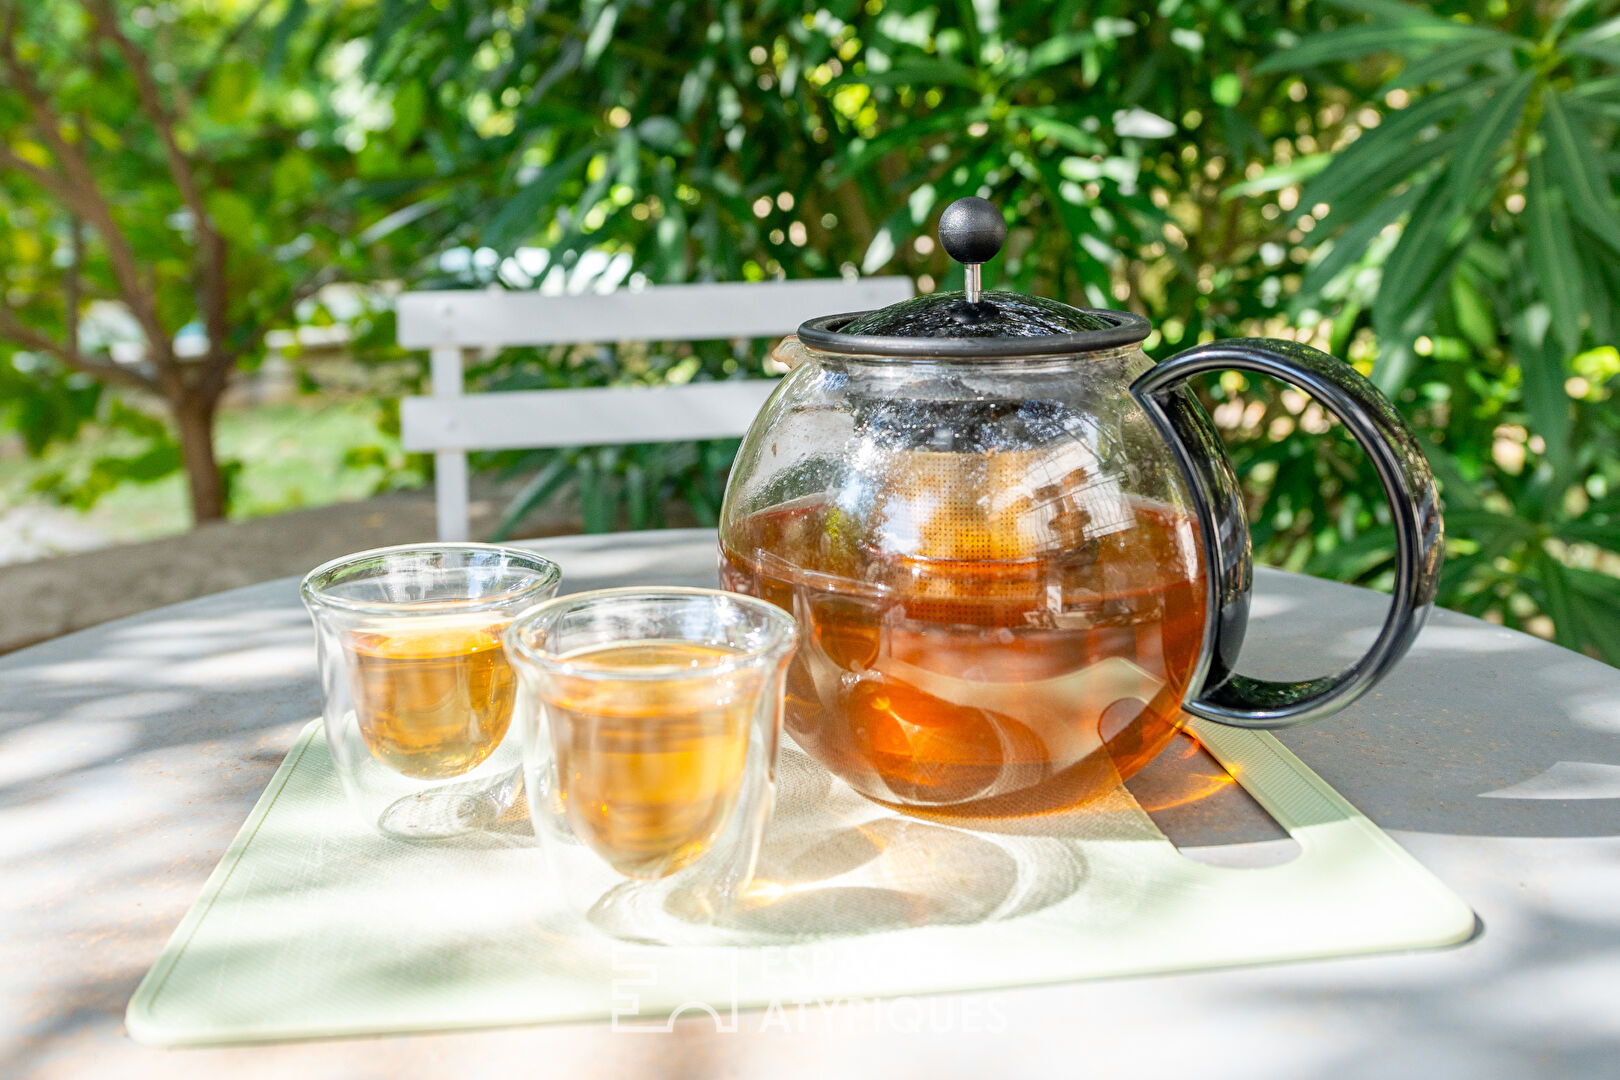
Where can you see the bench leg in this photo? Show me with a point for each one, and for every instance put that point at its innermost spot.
(450, 494)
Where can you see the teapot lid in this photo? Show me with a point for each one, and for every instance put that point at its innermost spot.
(973, 323)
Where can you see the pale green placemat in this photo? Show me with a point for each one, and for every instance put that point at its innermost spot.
(312, 925)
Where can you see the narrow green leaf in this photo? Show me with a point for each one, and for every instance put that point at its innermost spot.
(1555, 590)
(1059, 49)
(1598, 270)
(1573, 161)
(1592, 88)
(1473, 312)
(1418, 262)
(1354, 42)
(1546, 404)
(1601, 42)
(1386, 152)
(1484, 135)
(1392, 11)
(1551, 249)
(1597, 585)
(532, 496)
(1350, 246)
(405, 215)
(601, 34)
(1571, 8)
(520, 217)
(1443, 62)
(1479, 525)
(1396, 358)
(1278, 177)
(291, 19)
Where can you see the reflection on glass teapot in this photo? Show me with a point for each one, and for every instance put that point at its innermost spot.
(1015, 546)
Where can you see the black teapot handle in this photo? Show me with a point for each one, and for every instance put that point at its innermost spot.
(1219, 693)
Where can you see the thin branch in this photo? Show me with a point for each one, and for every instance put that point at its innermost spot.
(83, 195)
(71, 286)
(218, 369)
(211, 271)
(15, 330)
(50, 182)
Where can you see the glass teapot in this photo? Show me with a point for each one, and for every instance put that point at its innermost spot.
(1015, 547)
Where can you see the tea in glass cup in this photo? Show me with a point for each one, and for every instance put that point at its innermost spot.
(433, 699)
(419, 693)
(650, 720)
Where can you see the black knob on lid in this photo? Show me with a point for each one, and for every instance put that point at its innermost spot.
(972, 230)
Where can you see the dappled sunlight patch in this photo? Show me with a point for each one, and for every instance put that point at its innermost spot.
(37, 751)
(1565, 780)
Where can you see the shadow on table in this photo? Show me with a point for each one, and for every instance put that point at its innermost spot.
(1479, 731)
(138, 747)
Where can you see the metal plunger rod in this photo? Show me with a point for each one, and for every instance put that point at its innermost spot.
(972, 230)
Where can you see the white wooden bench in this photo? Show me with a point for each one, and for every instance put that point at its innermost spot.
(450, 422)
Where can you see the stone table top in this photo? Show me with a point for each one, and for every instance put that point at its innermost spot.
(131, 752)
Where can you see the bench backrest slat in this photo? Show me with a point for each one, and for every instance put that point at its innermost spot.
(527, 419)
(450, 422)
(487, 318)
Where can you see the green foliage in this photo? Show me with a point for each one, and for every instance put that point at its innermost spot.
(175, 180)
(1427, 191)
(722, 141)
(1473, 234)
(300, 454)
(1433, 200)
(630, 486)
(158, 457)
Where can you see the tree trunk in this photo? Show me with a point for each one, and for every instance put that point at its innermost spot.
(194, 419)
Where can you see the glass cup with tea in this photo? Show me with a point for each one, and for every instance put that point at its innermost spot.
(418, 691)
(650, 719)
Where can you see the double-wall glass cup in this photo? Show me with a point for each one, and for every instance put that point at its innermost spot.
(418, 691)
(650, 719)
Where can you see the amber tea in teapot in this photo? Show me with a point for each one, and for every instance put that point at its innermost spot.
(981, 686)
(1015, 548)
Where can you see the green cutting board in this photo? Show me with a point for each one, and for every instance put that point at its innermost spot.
(312, 925)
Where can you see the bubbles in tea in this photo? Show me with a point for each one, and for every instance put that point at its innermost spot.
(972, 677)
(433, 699)
(649, 767)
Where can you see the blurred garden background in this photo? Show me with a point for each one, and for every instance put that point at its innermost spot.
(206, 208)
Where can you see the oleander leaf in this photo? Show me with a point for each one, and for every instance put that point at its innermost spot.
(1278, 177)
(1573, 159)
(1570, 9)
(1389, 10)
(1444, 62)
(1550, 245)
(1418, 262)
(1386, 155)
(1354, 42)
(1601, 42)
(1483, 136)
(539, 488)
(1350, 245)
